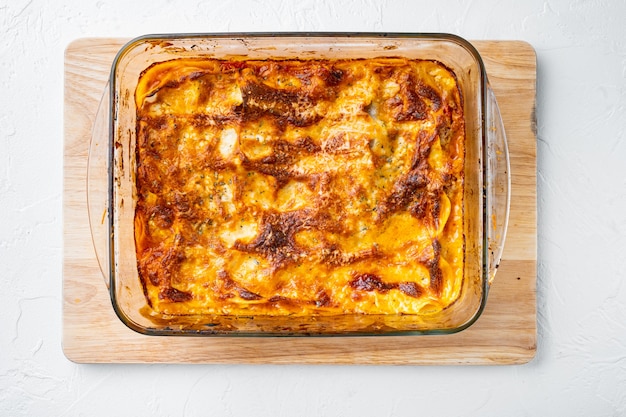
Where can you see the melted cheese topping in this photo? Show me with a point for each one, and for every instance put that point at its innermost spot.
(299, 187)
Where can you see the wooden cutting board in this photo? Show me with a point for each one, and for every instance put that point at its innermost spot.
(506, 333)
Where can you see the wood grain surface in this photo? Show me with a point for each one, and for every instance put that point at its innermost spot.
(506, 332)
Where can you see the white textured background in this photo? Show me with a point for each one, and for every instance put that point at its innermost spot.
(580, 367)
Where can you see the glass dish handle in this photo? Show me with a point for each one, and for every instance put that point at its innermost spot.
(498, 184)
(98, 186)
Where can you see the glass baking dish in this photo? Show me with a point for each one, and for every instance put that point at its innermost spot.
(111, 176)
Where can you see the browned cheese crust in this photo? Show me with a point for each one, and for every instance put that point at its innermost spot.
(299, 187)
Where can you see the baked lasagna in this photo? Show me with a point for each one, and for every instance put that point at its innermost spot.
(299, 187)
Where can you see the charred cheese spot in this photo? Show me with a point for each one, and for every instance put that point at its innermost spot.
(299, 187)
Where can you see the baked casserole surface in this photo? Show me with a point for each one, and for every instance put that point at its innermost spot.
(299, 187)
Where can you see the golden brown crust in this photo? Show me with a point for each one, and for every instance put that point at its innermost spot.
(299, 187)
